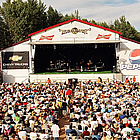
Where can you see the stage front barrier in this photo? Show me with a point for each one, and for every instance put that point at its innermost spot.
(42, 78)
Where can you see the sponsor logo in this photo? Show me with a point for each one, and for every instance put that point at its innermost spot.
(130, 67)
(134, 56)
(46, 37)
(103, 36)
(15, 58)
(75, 31)
(134, 59)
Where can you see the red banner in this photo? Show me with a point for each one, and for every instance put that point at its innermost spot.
(103, 36)
(46, 37)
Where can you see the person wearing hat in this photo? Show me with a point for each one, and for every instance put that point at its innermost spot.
(117, 137)
(109, 137)
(45, 126)
(108, 118)
(116, 128)
(107, 129)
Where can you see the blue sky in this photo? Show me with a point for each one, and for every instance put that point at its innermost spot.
(100, 10)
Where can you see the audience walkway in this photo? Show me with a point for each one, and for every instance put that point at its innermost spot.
(61, 124)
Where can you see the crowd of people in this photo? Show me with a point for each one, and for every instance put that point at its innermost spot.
(105, 110)
(98, 110)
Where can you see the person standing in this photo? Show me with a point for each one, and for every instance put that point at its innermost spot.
(49, 81)
(55, 130)
(68, 93)
(64, 108)
(134, 79)
(126, 80)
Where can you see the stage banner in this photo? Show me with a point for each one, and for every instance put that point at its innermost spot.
(15, 60)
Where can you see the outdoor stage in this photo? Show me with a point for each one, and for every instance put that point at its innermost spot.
(71, 46)
(74, 57)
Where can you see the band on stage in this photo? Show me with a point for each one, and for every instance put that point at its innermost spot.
(82, 65)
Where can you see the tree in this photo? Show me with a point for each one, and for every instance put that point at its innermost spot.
(103, 24)
(93, 21)
(23, 18)
(53, 16)
(5, 39)
(72, 16)
(76, 15)
(126, 29)
(65, 18)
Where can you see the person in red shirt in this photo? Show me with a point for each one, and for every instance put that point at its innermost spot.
(126, 80)
(68, 92)
(86, 132)
(49, 80)
(134, 79)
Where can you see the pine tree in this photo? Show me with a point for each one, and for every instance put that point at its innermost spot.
(23, 18)
(5, 38)
(53, 16)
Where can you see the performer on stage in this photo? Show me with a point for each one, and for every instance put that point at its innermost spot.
(68, 69)
(100, 63)
(89, 64)
(81, 65)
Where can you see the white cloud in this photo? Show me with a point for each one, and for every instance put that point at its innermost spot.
(102, 10)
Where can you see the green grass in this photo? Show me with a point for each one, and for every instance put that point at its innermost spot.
(76, 72)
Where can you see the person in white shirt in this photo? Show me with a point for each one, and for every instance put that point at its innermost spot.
(126, 130)
(44, 136)
(22, 135)
(125, 120)
(32, 122)
(94, 123)
(55, 130)
(33, 136)
(10, 111)
(134, 121)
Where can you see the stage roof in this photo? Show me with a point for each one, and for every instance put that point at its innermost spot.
(57, 25)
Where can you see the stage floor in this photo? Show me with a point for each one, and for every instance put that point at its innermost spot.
(76, 72)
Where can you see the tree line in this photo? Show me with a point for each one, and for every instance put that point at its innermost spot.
(20, 18)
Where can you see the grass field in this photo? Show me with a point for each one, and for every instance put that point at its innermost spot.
(76, 72)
